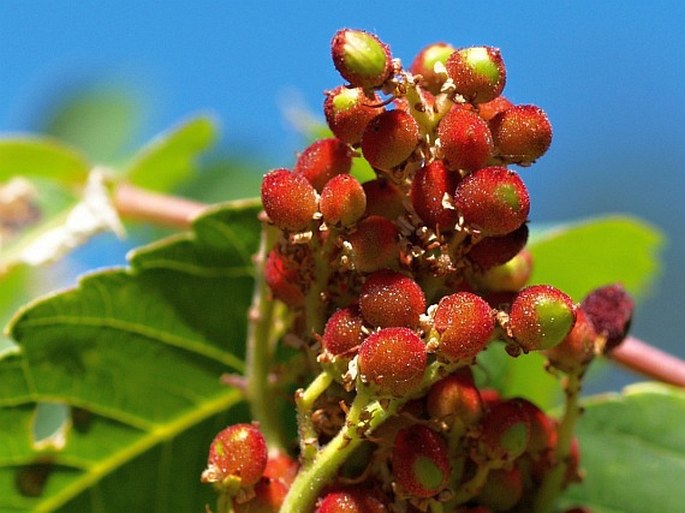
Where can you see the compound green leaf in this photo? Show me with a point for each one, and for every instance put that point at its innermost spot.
(170, 158)
(137, 353)
(580, 257)
(633, 452)
(40, 157)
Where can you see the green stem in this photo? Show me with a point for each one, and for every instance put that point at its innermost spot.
(551, 486)
(260, 341)
(315, 301)
(472, 487)
(305, 399)
(224, 503)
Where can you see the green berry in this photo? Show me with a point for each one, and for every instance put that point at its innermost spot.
(502, 490)
(509, 277)
(361, 58)
(478, 73)
(505, 432)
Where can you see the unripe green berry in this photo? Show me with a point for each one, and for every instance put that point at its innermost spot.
(505, 432)
(420, 462)
(289, 200)
(361, 58)
(389, 139)
(424, 65)
(540, 317)
(349, 110)
(478, 73)
(392, 361)
(343, 201)
(509, 277)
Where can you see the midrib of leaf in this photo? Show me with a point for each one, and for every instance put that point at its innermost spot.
(162, 434)
(142, 330)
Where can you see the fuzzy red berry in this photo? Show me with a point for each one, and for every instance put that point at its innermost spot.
(391, 299)
(284, 276)
(289, 200)
(392, 362)
(465, 139)
(349, 110)
(465, 323)
(455, 399)
(505, 432)
(478, 73)
(522, 134)
(424, 65)
(493, 251)
(540, 317)
(420, 462)
(577, 349)
(343, 331)
(389, 139)
(490, 109)
(373, 245)
(610, 309)
(383, 198)
(361, 58)
(322, 160)
(509, 277)
(352, 500)
(431, 185)
(343, 201)
(282, 467)
(493, 200)
(236, 453)
(268, 498)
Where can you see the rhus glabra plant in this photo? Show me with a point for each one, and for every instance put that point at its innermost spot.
(403, 339)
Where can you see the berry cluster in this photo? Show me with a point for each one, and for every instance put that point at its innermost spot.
(395, 285)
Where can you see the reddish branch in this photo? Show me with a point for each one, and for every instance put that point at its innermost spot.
(141, 205)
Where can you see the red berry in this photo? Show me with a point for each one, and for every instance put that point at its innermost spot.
(343, 201)
(522, 134)
(343, 331)
(493, 200)
(389, 139)
(490, 109)
(493, 251)
(509, 277)
(284, 276)
(322, 160)
(391, 299)
(465, 139)
(392, 361)
(610, 309)
(478, 73)
(349, 110)
(465, 323)
(424, 65)
(431, 185)
(268, 498)
(543, 429)
(505, 431)
(455, 399)
(361, 58)
(383, 198)
(540, 317)
(577, 349)
(374, 244)
(282, 467)
(352, 500)
(239, 451)
(503, 489)
(420, 462)
(289, 199)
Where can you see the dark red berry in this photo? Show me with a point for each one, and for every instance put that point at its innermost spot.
(505, 432)
(455, 399)
(522, 134)
(322, 160)
(432, 185)
(493, 200)
(424, 65)
(389, 139)
(268, 498)
(610, 309)
(352, 500)
(390, 299)
(478, 73)
(465, 139)
(373, 245)
(465, 323)
(392, 362)
(540, 317)
(284, 276)
(577, 349)
(493, 251)
(289, 200)
(349, 110)
(343, 331)
(282, 467)
(237, 452)
(420, 462)
(503, 489)
(383, 198)
(361, 58)
(343, 201)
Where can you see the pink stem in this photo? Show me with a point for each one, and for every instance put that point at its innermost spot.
(649, 361)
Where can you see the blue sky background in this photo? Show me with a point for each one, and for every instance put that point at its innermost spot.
(609, 75)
